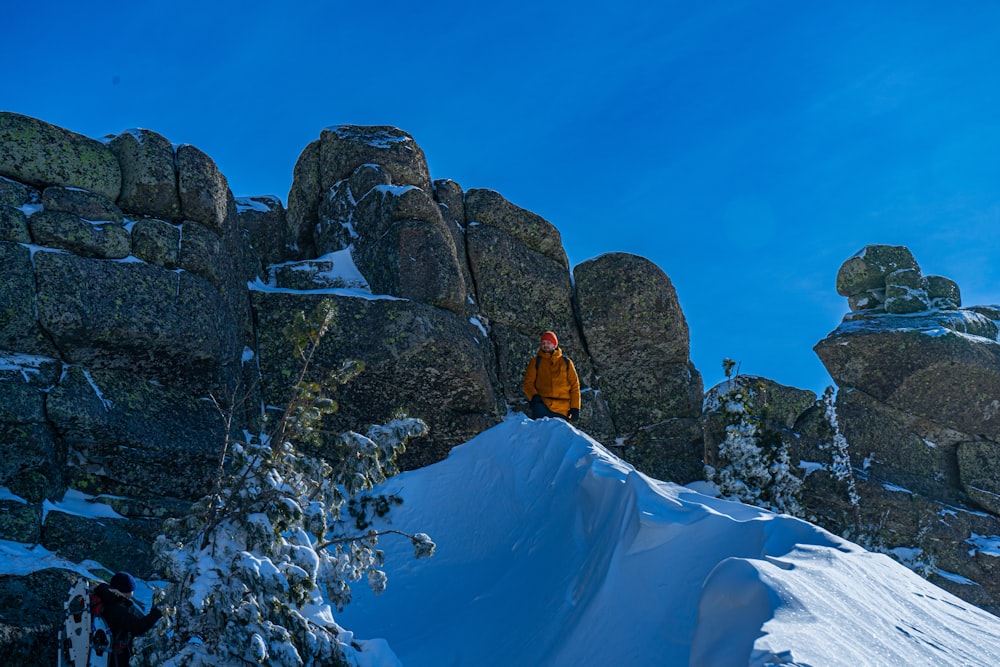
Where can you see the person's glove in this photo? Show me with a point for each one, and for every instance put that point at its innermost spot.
(574, 414)
(156, 614)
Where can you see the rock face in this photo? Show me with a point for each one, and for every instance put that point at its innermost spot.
(123, 308)
(139, 298)
(919, 402)
(638, 341)
(140, 302)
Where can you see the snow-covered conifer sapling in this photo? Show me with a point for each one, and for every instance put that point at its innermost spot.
(257, 567)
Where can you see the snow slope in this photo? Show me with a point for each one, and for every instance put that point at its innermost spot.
(552, 551)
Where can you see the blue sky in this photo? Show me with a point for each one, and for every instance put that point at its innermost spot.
(747, 148)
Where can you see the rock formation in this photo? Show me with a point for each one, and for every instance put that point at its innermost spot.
(138, 298)
(919, 403)
(140, 302)
(917, 408)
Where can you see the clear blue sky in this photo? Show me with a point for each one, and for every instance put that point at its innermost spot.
(747, 148)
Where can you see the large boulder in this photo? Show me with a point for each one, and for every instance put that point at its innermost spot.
(149, 174)
(203, 253)
(157, 242)
(943, 292)
(415, 260)
(919, 378)
(369, 189)
(20, 402)
(346, 147)
(20, 521)
(937, 366)
(31, 459)
(204, 192)
(167, 326)
(488, 207)
(28, 637)
(887, 279)
(304, 201)
(900, 449)
(906, 292)
(134, 437)
(116, 544)
(65, 231)
(868, 268)
(424, 360)
(264, 220)
(40, 154)
(19, 331)
(332, 159)
(638, 340)
(87, 205)
(404, 249)
(383, 205)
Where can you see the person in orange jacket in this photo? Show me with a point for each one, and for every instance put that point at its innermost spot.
(551, 383)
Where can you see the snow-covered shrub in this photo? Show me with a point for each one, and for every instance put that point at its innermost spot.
(754, 466)
(257, 565)
(840, 466)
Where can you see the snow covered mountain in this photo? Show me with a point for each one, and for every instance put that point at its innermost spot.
(552, 551)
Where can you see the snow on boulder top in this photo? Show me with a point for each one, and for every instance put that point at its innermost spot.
(552, 551)
(377, 136)
(258, 203)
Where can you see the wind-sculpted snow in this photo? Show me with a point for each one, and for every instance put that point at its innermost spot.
(551, 551)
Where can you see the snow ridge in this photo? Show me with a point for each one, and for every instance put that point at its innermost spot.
(553, 551)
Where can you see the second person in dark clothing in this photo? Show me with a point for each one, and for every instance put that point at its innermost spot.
(551, 383)
(123, 617)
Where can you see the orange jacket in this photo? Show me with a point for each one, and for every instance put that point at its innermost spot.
(554, 378)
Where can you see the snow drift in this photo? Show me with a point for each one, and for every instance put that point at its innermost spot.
(552, 551)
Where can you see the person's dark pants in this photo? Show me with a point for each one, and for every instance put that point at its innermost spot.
(539, 410)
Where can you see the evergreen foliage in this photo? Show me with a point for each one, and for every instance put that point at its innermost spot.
(256, 565)
(754, 463)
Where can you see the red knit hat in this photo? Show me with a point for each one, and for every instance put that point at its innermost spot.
(549, 336)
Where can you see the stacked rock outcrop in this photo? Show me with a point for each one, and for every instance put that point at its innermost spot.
(482, 278)
(123, 306)
(919, 403)
(887, 279)
(138, 298)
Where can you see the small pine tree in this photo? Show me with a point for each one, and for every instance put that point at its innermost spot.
(257, 563)
(754, 466)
